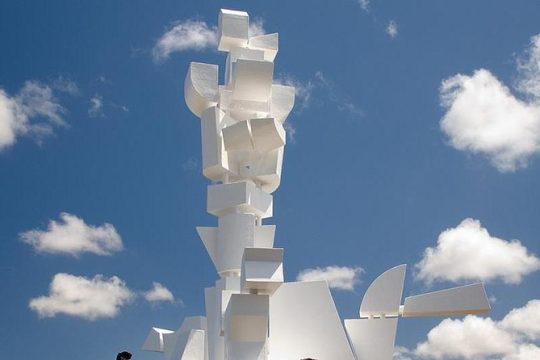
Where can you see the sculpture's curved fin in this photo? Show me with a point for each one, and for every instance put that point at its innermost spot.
(201, 87)
(383, 297)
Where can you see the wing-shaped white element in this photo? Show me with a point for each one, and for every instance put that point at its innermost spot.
(372, 339)
(233, 27)
(383, 297)
(239, 197)
(469, 299)
(269, 43)
(201, 87)
(262, 270)
(154, 340)
(267, 134)
(282, 101)
(304, 323)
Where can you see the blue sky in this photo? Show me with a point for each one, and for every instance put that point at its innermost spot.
(415, 139)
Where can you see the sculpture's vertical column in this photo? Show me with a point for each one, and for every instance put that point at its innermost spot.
(242, 152)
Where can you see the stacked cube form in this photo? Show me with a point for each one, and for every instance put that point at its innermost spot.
(251, 314)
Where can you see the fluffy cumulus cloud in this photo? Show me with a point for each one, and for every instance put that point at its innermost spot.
(90, 299)
(469, 252)
(158, 292)
(193, 35)
(34, 111)
(337, 277)
(484, 117)
(72, 236)
(513, 338)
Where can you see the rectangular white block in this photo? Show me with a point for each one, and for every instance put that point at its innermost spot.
(469, 299)
(238, 137)
(262, 270)
(264, 236)
(252, 80)
(240, 53)
(232, 29)
(247, 318)
(282, 101)
(215, 162)
(268, 134)
(242, 197)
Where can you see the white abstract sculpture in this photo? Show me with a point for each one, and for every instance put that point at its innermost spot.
(251, 314)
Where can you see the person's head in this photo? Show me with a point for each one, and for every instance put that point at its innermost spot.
(124, 355)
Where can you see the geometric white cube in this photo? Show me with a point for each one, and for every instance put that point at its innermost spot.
(243, 197)
(268, 134)
(262, 270)
(233, 29)
(252, 80)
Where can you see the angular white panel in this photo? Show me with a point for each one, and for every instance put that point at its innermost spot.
(154, 340)
(282, 101)
(215, 162)
(188, 345)
(236, 232)
(252, 80)
(247, 318)
(268, 134)
(372, 339)
(232, 29)
(304, 323)
(262, 270)
(469, 299)
(209, 237)
(238, 136)
(242, 197)
(383, 297)
(201, 87)
(264, 236)
(268, 43)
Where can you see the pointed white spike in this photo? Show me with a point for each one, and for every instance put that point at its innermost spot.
(209, 236)
(469, 299)
(383, 297)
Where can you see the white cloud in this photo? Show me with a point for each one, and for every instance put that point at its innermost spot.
(66, 85)
(303, 90)
(525, 320)
(256, 27)
(338, 277)
(96, 106)
(483, 338)
(529, 70)
(470, 338)
(158, 293)
(73, 236)
(392, 29)
(90, 299)
(193, 35)
(469, 252)
(19, 113)
(364, 4)
(183, 36)
(484, 117)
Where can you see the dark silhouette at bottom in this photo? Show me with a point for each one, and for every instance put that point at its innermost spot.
(124, 355)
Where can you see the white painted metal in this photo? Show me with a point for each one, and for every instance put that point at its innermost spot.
(469, 299)
(372, 339)
(383, 297)
(251, 313)
(304, 323)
